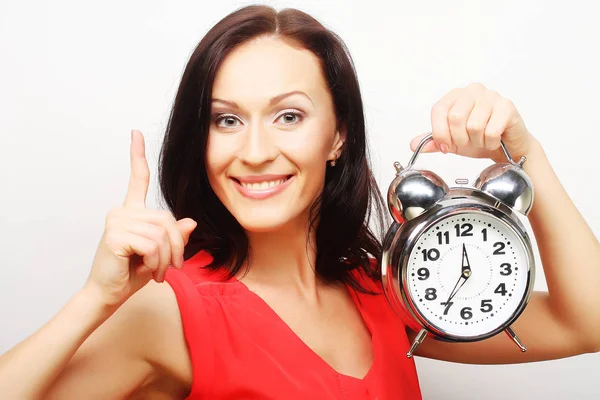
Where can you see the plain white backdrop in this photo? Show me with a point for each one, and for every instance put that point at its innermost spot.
(76, 77)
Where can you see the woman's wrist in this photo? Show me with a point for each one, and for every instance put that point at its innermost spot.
(90, 300)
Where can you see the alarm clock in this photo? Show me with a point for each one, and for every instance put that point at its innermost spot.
(457, 262)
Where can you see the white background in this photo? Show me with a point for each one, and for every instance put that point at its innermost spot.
(75, 77)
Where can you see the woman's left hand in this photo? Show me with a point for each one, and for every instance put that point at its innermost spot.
(471, 121)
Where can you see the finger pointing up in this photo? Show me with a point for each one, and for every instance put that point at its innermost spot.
(139, 178)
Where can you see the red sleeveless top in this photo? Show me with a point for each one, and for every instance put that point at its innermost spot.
(241, 349)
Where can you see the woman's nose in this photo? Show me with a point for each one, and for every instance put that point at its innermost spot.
(259, 145)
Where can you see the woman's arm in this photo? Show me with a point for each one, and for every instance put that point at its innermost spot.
(129, 336)
(40, 358)
(90, 351)
(564, 321)
(570, 254)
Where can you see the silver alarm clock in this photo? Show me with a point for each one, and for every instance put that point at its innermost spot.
(457, 260)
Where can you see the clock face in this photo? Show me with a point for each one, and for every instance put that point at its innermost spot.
(467, 274)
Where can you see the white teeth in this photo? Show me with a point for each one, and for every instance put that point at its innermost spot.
(262, 185)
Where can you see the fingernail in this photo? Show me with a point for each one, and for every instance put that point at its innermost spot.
(182, 262)
(444, 148)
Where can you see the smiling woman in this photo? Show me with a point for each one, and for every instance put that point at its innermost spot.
(273, 275)
(277, 99)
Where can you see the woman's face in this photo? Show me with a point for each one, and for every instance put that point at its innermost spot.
(273, 129)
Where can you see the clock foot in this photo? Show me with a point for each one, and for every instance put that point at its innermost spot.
(515, 339)
(418, 340)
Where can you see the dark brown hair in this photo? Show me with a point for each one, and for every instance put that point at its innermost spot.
(344, 240)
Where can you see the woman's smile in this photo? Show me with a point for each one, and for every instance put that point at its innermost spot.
(260, 187)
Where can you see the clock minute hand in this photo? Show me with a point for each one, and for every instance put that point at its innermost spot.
(461, 281)
(464, 274)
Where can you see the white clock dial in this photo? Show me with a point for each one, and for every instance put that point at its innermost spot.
(467, 274)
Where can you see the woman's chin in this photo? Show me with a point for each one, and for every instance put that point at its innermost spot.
(263, 224)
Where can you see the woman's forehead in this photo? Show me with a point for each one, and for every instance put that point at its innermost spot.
(268, 66)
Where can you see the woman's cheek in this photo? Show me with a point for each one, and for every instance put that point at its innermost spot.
(220, 151)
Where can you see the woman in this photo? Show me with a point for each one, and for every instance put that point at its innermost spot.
(265, 172)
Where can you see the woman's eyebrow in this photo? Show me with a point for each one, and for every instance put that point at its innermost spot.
(272, 101)
(282, 96)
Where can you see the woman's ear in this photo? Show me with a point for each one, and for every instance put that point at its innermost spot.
(338, 143)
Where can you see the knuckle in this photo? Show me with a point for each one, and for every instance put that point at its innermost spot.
(492, 142)
(165, 215)
(492, 134)
(475, 127)
(476, 86)
(455, 117)
(491, 145)
(460, 140)
(151, 264)
(437, 109)
(111, 238)
(440, 137)
(112, 214)
(153, 248)
(109, 223)
(492, 94)
(177, 244)
(162, 234)
(508, 104)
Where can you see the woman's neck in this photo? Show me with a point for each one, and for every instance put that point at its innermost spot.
(282, 258)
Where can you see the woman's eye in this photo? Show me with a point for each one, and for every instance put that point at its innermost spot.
(231, 121)
(290, 118)
(227, 121)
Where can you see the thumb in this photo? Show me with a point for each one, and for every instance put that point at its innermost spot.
(429, 147)
(186, 227)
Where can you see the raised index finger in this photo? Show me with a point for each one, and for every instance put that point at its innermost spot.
(139, 178)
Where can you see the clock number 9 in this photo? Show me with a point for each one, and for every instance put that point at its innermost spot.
(423, 274)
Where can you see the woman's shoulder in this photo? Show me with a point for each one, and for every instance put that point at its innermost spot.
(168, 321)
(150, 323)
(196, 279)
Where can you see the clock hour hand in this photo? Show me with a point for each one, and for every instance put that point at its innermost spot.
(466, 267)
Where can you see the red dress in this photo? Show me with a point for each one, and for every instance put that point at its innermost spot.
(241, 349)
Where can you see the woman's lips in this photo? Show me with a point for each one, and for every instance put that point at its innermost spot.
(259, 188)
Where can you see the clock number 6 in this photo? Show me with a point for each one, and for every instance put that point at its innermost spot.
(466, 313)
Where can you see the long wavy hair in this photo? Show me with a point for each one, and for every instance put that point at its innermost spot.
(344, 240)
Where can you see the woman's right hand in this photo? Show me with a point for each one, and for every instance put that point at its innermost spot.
(138, 244)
